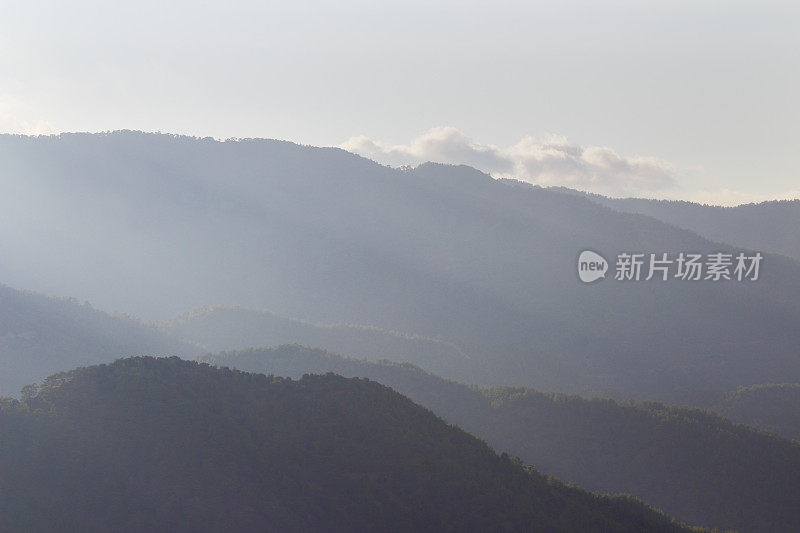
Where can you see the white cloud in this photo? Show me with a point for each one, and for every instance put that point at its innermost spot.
(443, 144)
(17, 117)
(548, 162)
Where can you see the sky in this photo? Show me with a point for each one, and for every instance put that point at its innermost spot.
(675, 99)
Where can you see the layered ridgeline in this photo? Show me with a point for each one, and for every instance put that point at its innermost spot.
(768, 226)
(696, 466)
(603, 463)
(150, 444)
(231, 328)
(40, 335)
(772, 407)
(158, 224)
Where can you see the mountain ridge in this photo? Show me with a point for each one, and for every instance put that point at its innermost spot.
(767, 226)
(696, 465)
(442, 251)
(154, 444)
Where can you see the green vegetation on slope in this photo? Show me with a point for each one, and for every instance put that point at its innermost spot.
(163, 444)
(696, 466)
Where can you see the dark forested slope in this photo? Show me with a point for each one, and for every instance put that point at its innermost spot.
(150, 444)
(695, 465)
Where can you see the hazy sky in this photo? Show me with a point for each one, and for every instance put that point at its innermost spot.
(694, 100)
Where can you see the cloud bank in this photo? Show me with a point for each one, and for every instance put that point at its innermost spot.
(17, 117)
(548, 162)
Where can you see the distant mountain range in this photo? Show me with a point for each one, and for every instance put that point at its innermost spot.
(157, 224)
(767, 226)
(150, 444)
(41, 335)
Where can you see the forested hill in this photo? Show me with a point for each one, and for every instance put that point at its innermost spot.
(695, 465)
(768, 226)
(150, 444)
(41, 335)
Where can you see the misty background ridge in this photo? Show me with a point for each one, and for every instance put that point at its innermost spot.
(156, 225)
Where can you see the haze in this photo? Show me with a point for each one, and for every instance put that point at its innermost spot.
(704, 93)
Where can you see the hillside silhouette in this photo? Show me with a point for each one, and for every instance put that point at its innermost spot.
(695, 465)
(150, 444)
